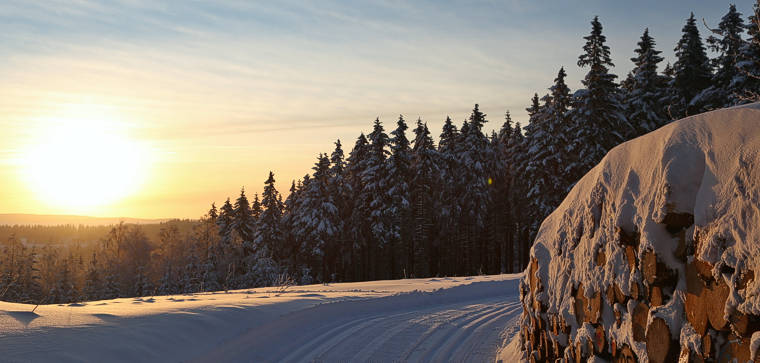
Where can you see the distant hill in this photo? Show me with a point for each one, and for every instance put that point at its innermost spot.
(53, 220)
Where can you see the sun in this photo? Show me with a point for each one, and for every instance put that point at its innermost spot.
(83, 158)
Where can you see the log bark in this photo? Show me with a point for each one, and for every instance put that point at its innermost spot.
(639, 321)
(625, 355)
(599, 340)
(580, 305)
(736, 349)
(635, 291)
(532, 279)
(660, 346)
(743, 324)
(708, 349)
(630, 256)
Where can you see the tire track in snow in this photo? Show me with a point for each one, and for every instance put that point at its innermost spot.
(460, 323)
(398, 325)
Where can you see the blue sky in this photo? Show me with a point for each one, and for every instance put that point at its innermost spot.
(278, 82)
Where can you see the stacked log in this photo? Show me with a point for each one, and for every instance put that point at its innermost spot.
(723, 338)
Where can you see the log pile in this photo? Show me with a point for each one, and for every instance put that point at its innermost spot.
(547, 337)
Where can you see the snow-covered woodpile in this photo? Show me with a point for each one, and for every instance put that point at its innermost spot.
(653, 254)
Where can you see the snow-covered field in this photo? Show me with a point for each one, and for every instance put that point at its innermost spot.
(436, 319)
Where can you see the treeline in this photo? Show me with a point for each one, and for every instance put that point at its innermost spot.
(397, 207)
(79, 234)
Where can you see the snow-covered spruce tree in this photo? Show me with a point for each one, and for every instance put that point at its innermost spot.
(599, 122)
(475, 197)
(400, 244)
(224, 222)
(646, 99)
(692, 73)
(500, 194)
(375, 179)
(213, 213)
(290, 245)
(517, 156)
(268, 232)
(19, 276)
(746, 82)
(726, 41)
(298, 223)
(243, 223)
(448, 207)
(340, 192)
(212, 268)
(318, 217)
(358, 226)
(425, 173)
(493, 233)
(548, 157)
(256, 209)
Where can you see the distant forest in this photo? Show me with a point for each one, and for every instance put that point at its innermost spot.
(396, 207)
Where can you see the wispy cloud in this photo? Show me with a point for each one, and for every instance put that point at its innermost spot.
(195, 76)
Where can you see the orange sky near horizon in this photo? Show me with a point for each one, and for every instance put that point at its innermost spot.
(145, 109)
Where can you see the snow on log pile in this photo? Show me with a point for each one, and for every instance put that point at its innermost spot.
(652, 256)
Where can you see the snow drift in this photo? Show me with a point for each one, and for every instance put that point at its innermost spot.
(652, 254)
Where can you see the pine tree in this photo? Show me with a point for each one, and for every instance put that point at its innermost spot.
(243, 223)
(212, 213)
(375, 181)
(474, 198)
(269, 230)
(692, 73)
(340, 190)
(448, 208)
(646, 99)
(225, 221)
(547, 156)
(319, 216)
(598, 120)
(255, 209)
(727, 45)
(358, 226)
(290, 242)
(516, 258)
(746, 82)
(400, 213)
(425, 174)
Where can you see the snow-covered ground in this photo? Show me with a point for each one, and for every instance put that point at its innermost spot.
(436, 319)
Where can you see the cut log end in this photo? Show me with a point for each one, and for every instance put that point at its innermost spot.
(660, 346)
(715, 303)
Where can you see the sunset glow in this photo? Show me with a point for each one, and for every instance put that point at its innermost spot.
(157, 109)
(83, 158)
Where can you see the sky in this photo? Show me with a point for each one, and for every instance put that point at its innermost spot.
(156, 109)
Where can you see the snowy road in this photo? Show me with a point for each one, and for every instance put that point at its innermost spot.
(438, 319)
(448, 325)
